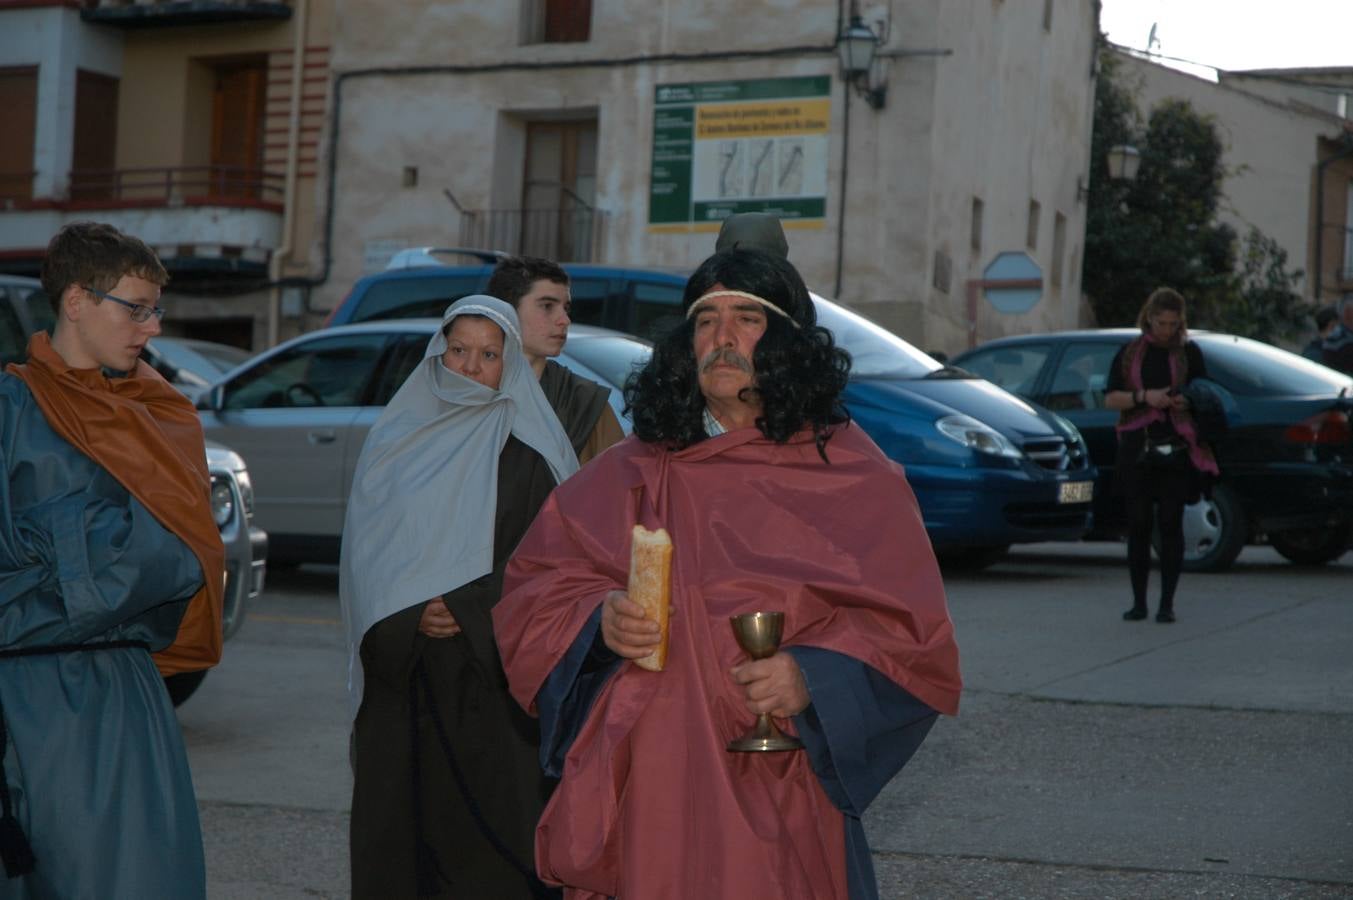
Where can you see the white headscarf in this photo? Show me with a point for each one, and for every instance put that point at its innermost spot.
(425, 493)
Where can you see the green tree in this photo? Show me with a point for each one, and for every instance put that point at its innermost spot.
(1267, 305)
(1161, 228)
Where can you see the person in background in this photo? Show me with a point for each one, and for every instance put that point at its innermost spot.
(447, 785)
(1161, 465)
(112, 571)
(538, 290)
(1326, 320)
(752, 231)
(1337, 350)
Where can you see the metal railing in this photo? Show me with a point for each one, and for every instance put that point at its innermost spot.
(116, 4)
(16, 185)
(575, 234)
(178, 184)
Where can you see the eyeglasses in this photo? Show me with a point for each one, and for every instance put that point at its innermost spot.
(139, 311)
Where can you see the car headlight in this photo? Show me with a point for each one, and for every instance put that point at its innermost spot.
(977, 436)
(246, 492)
(222, 502)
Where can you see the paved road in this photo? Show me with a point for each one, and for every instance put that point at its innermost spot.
(1092, 757)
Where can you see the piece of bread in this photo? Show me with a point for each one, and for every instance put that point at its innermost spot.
(651, 585)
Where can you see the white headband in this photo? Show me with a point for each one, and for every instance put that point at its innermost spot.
(753, 297)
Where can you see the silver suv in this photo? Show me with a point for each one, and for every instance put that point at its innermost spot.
(23, 310)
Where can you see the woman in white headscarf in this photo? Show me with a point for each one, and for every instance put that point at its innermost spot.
(447, 782)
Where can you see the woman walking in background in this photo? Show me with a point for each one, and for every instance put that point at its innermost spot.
(1162, 466)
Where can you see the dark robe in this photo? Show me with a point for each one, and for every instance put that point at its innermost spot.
(583, 409)
(91, 752)
(493, 743)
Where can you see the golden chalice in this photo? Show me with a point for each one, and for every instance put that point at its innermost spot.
(759, 634)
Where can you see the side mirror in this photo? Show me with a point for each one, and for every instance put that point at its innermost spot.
(212, 399)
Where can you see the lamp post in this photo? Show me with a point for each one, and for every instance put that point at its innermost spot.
(1124, 160)
(857, 47)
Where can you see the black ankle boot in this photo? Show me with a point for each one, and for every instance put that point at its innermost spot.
(1165, 615)
(1136, 614)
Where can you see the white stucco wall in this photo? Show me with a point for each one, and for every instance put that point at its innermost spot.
(1005, 116)
(58, 43)
(1011, 125)
(257, 231)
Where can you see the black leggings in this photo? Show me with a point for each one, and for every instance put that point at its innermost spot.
(1168, 495)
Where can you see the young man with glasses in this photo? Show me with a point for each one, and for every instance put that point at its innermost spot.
(111, 573)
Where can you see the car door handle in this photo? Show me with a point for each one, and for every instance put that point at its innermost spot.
(321, 437)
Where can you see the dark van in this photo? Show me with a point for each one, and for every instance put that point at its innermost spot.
(642, 302)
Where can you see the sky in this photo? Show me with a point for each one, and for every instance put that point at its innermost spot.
(1236, 34)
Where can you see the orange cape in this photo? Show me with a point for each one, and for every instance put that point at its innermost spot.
(147, 436)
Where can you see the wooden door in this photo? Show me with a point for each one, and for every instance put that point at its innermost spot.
(568, 21)
(94, 152)
(19, 100)
(238, 109)
(560, 190)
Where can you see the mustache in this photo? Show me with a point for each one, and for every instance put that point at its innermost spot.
(728, 356)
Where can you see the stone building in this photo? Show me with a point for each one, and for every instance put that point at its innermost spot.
(193, 124)
(276, 151)
(1288, 150)
(623, 131)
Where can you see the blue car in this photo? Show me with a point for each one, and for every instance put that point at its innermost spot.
(989, 469)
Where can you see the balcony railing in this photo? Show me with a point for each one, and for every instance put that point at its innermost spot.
(571, 235)
(190, 185)
(167, 13)
(16, 186)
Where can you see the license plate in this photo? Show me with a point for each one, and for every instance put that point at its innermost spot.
(1075, 492)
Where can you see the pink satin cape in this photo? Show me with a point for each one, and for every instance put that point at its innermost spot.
(651, 805)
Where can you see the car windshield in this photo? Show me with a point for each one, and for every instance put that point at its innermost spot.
(223, 356)
(874, 351)
(1253, 368)
(202, 358)
(611, 357)
(415, 297)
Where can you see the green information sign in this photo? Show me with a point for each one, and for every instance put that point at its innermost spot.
(721, 147)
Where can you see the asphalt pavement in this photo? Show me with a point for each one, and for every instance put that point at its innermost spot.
(1092, 757)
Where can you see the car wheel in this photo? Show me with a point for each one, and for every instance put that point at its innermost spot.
(1313, 546)
(972, 559)
(1215, 532)
(182, 685)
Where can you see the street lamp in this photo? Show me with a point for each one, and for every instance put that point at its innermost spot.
(857, 47)
(1124, 160)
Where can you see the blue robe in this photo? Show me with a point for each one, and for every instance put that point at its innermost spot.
(859, 731)
(94, 761)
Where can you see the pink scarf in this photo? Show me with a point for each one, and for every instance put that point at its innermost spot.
(1140, 417)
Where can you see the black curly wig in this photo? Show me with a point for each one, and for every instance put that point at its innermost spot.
(800, 372)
